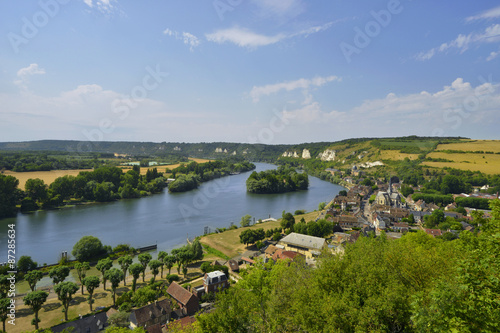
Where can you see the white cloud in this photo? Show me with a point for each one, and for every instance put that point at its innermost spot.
(104, 6)
(488, 14)
(243, 37)
(493, 55)
(246, 38)
(257, 92)
(24, 73)
(462, 43)
(187, 38)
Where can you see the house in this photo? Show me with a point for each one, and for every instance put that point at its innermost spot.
(215, 281)
(187, 301)
(348, 221)
(233, 265)
(282, 255)
(91, 324)
(420, 205)
(270, 251)
(181, 324)
(151, 314)
(401, 227)
(309, 246)
(434, 232)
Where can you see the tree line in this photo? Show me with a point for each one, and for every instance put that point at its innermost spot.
(102, 185)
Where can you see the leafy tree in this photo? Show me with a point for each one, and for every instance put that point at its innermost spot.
(154, 266)
(406, 190)
(103, 266)
(287, 221)
(125, 263)
(343, 193)
(115, 276)
(36, 189)
(162, 257)
(81, 269)
(4, 310)
(144, 296)
(119, 319)
(35, 301)
(321, 205)
(245, 221)
(135, 270)
(144, 259)
(87, 247)
(114, 329)
(91, 283)
(251, 236)
(169, 262)
(26, 264)
(63, 186)
(433, 220)
(59, 273)
(32, 278)
(65, 292)
(8, 196)
(4, 285)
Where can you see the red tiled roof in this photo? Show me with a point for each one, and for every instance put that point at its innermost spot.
(180, 294)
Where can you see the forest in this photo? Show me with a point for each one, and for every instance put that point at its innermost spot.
(284, 179)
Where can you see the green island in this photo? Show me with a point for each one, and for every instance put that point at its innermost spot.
(283, 179)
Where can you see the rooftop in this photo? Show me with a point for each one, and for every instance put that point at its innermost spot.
(309, 242)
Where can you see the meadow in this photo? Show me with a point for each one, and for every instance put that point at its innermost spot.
(478, 145)
(487, 163)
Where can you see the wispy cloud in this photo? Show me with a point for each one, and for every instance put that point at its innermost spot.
(493, 55)
(187, 38)
(257, 92)
(486, 15)
(462, 43)
(24, 73)
(246, 38)
(104, 6)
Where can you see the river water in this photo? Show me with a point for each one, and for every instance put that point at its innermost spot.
(165, 219)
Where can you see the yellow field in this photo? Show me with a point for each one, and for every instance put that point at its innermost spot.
(47, 176)
(484, 145)
(395, 155)
(162, 168)
(490, 164)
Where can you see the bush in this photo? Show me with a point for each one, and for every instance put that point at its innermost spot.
(259, 244)
(87, 247)
(172, 277)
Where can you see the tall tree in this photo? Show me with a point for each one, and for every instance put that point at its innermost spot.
(287, 221)
(8, 196)
(4, 310)
(144, 259)
(115, 276)
(135, 270)
(81, 270)
(245, 220)
(162, 256)
(169, 263)
(65, 292)
(154, 266)
(59, 274)
(32, 278)
(35, 301)
(36, 189)
(102, 266)
(125, 263)
(91, 283)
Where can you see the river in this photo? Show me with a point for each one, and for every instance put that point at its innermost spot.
(165, 219)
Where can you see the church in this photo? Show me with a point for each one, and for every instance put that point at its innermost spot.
(389, 198)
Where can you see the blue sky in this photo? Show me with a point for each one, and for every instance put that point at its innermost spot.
(274, 71)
